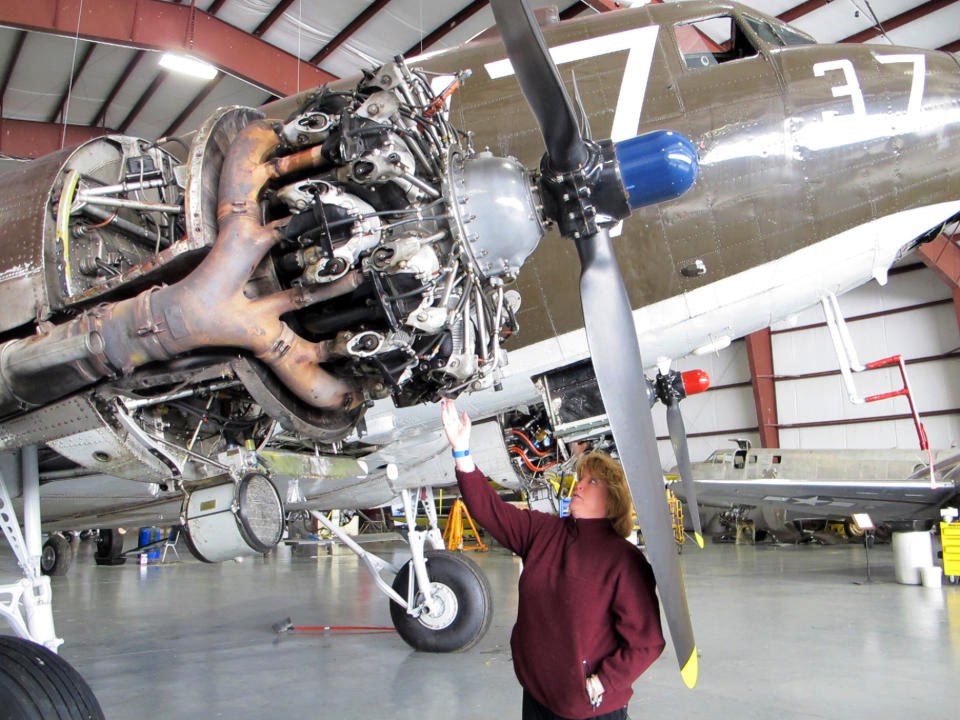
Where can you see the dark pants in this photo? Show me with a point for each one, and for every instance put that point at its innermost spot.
(532, 710)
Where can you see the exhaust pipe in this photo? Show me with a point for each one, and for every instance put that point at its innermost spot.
(205, 309)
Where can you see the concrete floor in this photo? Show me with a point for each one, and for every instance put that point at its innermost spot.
(784, 632)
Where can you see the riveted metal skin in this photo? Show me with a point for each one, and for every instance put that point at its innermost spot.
(760, 124)
(757, 124)
(24, 222)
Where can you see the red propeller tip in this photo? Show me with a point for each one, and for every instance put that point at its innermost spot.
(695, 381)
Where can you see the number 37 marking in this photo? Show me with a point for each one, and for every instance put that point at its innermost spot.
(851, 86)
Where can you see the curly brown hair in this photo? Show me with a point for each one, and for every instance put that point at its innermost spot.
(619, 505)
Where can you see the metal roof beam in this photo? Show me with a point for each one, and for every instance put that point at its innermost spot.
(274, 15)
(144, 99)
(899, 20)
(101, 115)
(76, 72)
(194, 104)
(354, 25)
(446, 27)
(801, 10)
(11, 66)
(156, 25)
(29, 139)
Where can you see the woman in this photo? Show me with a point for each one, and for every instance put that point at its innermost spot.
(588, 621)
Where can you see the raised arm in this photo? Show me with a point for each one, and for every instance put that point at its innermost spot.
(512, 527)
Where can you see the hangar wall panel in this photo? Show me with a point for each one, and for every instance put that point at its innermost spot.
(915, 332)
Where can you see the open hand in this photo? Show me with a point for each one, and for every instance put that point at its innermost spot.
(456, 425)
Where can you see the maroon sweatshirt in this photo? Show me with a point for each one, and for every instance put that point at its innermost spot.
(587, 603)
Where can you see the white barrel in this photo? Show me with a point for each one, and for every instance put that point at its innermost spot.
(911, 551)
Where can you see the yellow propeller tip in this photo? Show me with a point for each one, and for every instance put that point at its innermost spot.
(690, 670)
(699, 538)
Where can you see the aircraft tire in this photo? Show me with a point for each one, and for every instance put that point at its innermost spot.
(456, 628)
(37, 684)
(109, 548)
(56, 556)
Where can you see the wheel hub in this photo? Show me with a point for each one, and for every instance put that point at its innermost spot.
(48, 557)
(441, 610)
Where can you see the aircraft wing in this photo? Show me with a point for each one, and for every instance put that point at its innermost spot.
(890, 486)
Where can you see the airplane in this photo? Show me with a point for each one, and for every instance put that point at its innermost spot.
(262, 315)
(892, 486)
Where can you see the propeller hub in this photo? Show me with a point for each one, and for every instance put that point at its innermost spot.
(674, 386)
(586, 198)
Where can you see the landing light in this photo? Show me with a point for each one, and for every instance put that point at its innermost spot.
(714, 345)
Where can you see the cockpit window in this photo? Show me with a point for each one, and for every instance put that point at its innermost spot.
(704, 43)
(793, 37)
(764, 30)
(778, 34)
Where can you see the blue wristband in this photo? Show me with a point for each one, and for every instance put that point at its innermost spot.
(460, 453)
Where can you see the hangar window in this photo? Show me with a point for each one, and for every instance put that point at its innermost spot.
(704, 43)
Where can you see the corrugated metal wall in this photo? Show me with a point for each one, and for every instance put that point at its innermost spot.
(913, 316)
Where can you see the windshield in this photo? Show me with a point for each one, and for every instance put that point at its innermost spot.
(777, 33)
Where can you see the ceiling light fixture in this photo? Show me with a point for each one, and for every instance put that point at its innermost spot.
(188, 66)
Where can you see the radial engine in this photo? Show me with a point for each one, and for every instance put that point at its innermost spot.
(164, 303)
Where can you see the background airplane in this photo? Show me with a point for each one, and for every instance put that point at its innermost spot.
(143, 333)
(892, 486)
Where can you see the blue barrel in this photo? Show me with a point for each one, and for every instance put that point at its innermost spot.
(155, 536)
(144, 537)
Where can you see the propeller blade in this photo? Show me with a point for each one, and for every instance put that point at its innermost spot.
(615, 352)
(541, 84)
(582, 119)
(678, 436)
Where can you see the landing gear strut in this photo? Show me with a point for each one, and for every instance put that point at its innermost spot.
(35, 683)
(440, 600)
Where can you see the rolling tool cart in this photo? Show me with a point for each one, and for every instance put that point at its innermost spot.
(950, 537)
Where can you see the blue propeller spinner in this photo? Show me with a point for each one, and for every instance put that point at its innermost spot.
(656, 166)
